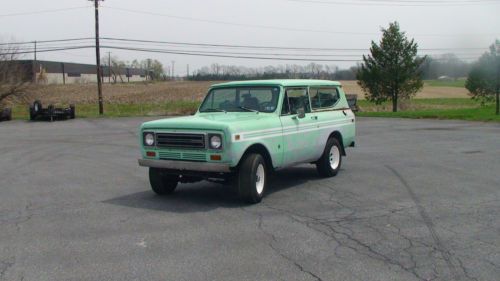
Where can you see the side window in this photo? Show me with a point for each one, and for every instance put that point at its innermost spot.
(323, 97)
(315, 102)
(298, 98)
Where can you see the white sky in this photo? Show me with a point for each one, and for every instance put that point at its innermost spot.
(346, 24)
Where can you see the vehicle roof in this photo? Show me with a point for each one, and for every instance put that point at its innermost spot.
(280, 82)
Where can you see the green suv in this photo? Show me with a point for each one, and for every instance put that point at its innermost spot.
(245, 130)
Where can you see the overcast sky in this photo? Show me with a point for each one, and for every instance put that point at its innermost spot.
(315, 23)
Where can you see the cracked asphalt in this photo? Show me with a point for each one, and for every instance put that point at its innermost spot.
(415, 200)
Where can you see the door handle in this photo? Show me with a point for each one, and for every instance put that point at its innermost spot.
(314, 117)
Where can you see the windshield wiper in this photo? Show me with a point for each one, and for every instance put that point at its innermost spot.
(247, 109)
(214, 110)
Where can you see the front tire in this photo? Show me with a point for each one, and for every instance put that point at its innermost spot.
(252, 178)
(161, 182)
(331, 160)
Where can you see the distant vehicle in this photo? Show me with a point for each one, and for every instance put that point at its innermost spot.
(6, 114)
(37, 112)
(245, 130)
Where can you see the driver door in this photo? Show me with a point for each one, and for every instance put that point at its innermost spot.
(299, 130)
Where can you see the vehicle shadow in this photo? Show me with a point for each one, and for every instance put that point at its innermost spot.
(205, 196)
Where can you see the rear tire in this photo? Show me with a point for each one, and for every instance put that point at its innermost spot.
(32, 113)
(9, 114)
(72, 111)
(331, 160)
(252, 178)
(50, 110)
(161, 182)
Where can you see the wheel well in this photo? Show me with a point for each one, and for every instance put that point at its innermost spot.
(338, 136)
(260, 149)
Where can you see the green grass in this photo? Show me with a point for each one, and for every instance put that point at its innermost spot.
(482, 113)
(123, 110)
(437, 83)
(438, 102)
(455, 108)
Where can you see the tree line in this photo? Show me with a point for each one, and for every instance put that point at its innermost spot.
(289, 71)
(153, 68)
(448, 65)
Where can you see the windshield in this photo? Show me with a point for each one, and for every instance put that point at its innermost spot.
(240, 99)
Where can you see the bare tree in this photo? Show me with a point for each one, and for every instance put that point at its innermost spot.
(13, 74)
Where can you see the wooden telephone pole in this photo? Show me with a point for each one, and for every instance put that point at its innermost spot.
(35, 70)
(98, 56)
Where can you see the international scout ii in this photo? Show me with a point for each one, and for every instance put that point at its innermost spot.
(245, 130)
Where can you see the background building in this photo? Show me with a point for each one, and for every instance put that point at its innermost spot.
(52, 72)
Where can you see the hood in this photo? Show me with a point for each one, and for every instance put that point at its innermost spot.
(208, 121)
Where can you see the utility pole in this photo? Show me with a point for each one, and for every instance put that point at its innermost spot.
(187, 71)
(34, 64)
(173, 63)
(98, 56)
(109, 67)
(497, 58)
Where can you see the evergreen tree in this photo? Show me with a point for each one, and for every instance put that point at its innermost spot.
(484, 78)
(392, 70)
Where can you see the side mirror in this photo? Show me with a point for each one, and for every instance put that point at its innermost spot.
(301, 113)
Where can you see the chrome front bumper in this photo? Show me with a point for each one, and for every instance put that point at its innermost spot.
(185, 165)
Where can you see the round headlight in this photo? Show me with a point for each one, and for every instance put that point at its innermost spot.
(149, 139)
(215, 142)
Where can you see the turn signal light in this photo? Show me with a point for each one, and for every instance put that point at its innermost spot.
(215, 157)
(150, 153)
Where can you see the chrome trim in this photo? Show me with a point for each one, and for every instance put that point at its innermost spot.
(185, 165)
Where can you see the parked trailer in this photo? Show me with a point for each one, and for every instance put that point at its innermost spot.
(51, 113)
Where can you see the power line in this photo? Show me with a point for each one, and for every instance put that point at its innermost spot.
(47, 50)
(48, 41)
(63, 42)
(281, 28)
(236, 24)
(188, 53)
(258, 56)
(43, 11)
(269, 47)
(400, 3)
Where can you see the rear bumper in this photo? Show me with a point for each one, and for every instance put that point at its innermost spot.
(185, 165)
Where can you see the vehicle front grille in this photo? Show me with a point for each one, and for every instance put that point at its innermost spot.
(180, 140)
(186, 156)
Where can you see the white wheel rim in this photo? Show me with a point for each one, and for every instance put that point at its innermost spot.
(334, 157)
(260, 177)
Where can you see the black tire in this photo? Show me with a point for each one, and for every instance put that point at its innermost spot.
(248, 180)
(327, 167)
(37, 106)
(8, 113)
(161, 182)
(50, 110)
(71, 111)
(32, 113)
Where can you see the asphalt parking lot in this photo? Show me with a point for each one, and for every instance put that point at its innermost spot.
(415, 200)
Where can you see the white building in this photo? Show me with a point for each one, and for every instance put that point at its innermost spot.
(51, 72)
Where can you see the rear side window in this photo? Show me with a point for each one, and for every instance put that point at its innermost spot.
(323, 97)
